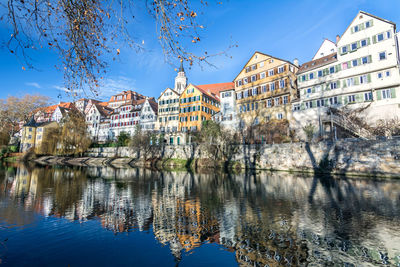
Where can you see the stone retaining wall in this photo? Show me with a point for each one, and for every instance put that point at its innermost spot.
(367, 157)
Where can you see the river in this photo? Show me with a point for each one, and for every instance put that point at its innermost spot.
(104, 216)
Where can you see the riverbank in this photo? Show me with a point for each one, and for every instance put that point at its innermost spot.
(373, 158)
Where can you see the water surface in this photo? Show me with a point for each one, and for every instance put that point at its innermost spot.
(59, 216)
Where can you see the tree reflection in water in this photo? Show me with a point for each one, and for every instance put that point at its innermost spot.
(266, 219)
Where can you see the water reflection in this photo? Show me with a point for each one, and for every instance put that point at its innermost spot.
(265, 219)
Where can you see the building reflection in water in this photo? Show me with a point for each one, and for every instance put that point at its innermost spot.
(266, 219)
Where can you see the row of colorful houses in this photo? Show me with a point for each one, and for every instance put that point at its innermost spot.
(357, 71)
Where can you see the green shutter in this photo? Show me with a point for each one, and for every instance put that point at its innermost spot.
(349, 64)
(393, 92)
(345, 99)
(372, 22)
(358, 44)
(326, 102)
(374, 39)
(302, 106)
(358, 98)
(336, 68)
(314, 103)
(369, 78)
(344, 84)
(339, 67)
(313, 90)
(369, 59)
(305, 91)
(359, 62)
(339, 100)
(379, 95)
(368, 41)
(352, 29)
(362, 26)
(356, 80)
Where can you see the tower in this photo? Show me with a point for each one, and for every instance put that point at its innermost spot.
(180, 80)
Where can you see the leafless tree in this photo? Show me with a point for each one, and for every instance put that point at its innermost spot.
(86, 32)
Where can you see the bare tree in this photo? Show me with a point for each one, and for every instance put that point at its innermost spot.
(18, 109)
(85, 32)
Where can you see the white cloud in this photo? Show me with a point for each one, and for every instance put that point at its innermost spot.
(33, 84)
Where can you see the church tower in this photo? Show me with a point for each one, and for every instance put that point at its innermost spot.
(180, 80)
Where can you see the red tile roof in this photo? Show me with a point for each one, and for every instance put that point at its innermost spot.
(318, 63)
(214, 89)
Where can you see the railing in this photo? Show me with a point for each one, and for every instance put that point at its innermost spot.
(348, 125)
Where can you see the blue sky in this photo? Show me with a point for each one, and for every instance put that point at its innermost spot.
(286, 29)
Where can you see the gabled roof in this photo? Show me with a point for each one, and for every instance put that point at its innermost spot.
(318, 63)
(166, 90)
(373, 16)
(103, 110)
(323, 43)
(153, 104)
(30, 123)
(257, 52)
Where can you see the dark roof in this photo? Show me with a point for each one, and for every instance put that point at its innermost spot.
(318, 63)
(181, 67)
(30, 123)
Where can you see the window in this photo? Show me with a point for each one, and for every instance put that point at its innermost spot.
(272, 86)
(388, 34)
(309, 90)
(356, 28)
(261, 64)
(253, 67)
(386, 94)
(380, 75)
(296, 107)
(351, 98)
(387, 73)
(285, 100)
(263, 88)
(320, 73)
(344, 49)
(245, 81)
(333, 85)
(363, 43)
(311, 76)
(333, 100)
(344, 66)
(279, 116)
(269, 103)
(240, 83)
(271, 73)
(382, 55)
(380, 37)
(281, 69)
(262, 75)
(368, 96)
(364, 60)
(253, 78)
(353, 46)
(276, 101)
(303, 78)
(367, 24)
(332, 70)
(363, 79)
(247, 69)
(245, 94)
(282, 84)
(254, 91)
(355, 63)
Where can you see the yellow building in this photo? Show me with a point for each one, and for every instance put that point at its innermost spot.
(264, 89)
(198, 103)
(33, 134)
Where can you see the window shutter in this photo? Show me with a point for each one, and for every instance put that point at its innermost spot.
(362, 26)
(369, 78)
(393, 92)
(359, 62)
(339, 100)
(368, 41)
(276, 85)
(358, 44)
(372, 22)
(369, 59)
(374, 39)
(314, 103)
(313, 90)
(327, 86)
(302, 106)
(357, 81)
(285, 68)
(358, 98)
(305, 91)
(345, 100)
(349, 64)
(326, 102)
(344, 84)
(379, 95)
(336, 68)
(352, 29)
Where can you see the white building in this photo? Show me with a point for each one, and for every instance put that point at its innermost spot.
(364, 73)
(98, 122)
(227, 116)
(148, 115)
(125, 118)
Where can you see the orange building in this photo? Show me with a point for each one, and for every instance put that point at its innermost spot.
(198, 103)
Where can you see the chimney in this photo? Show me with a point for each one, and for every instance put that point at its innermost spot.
(337, 38)
(296, 62)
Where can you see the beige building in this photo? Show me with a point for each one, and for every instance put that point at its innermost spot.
(264, 89)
